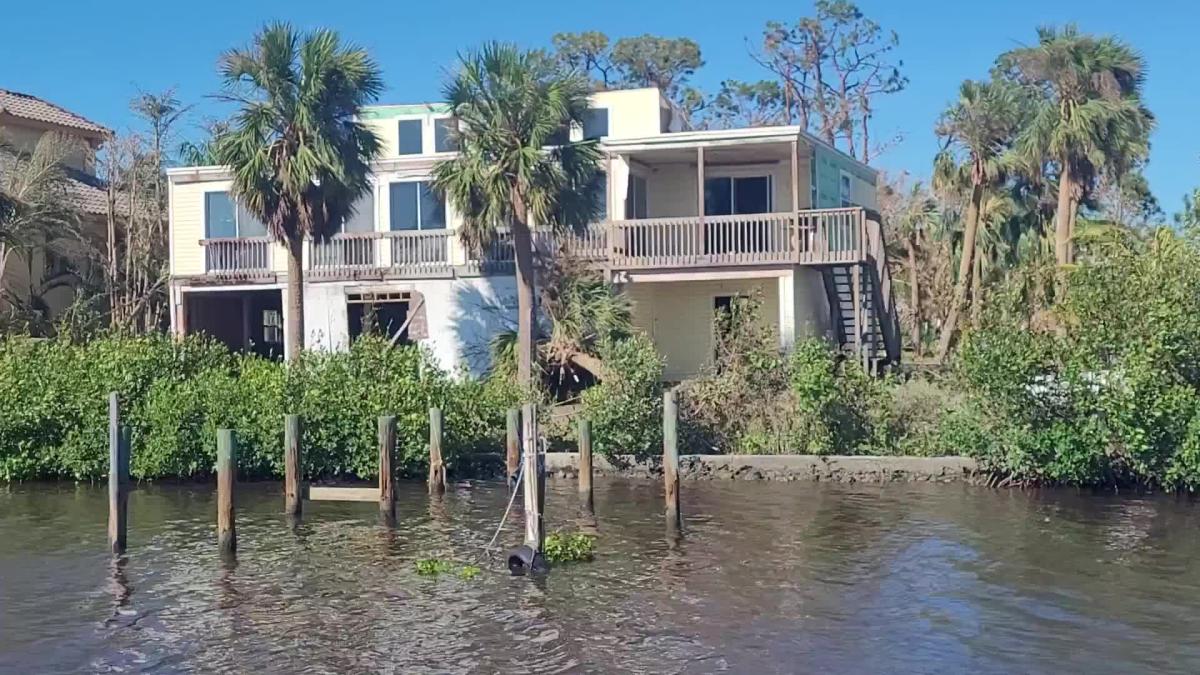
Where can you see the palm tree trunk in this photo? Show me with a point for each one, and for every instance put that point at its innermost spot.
(914, 295)
(964, 272)
(976, 289)
(1062, 218)
(295, 299)
(526, 301)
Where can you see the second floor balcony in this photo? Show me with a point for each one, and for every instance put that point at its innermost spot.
(809, 237)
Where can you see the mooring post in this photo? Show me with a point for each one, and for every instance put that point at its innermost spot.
(226, 480)
(585, 463)
(118, 477)
(387, 455)
(534, 482)
(671, 458)
(437, 467)
(292, 434)
(512, 444)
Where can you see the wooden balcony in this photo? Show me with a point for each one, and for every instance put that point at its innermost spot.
(813, 237)
(237, 258)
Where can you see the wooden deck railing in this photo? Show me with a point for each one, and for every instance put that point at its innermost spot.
(237, 256)
(811, 237)
(415, 253)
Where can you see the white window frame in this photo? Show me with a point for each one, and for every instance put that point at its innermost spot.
(237, 217)
(422, 120)
(433, 126)
(420, 220)
(748, 172)
(846, 200)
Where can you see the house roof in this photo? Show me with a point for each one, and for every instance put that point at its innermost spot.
(88, 193)
(34, 109)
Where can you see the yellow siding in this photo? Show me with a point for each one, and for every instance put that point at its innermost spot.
(187, 225)
(632, 113)
(678, 316)
(671, 188)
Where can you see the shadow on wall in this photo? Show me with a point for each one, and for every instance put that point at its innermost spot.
(486, 306)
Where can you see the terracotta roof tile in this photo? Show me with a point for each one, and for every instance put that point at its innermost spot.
(33, 108)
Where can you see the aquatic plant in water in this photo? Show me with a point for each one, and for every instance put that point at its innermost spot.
(563, 547)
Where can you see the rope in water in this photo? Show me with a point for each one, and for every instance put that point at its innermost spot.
(511, 498)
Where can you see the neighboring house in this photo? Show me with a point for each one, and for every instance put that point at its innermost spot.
(36, 273)
(692, 219)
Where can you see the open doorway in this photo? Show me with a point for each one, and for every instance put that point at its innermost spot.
(248, 321)
(397, 316)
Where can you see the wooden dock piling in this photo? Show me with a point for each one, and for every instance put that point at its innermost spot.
(292, 435)
(387, 455)
(585, 464)
(118, 477)
(671, 459)
(437, 467)
(226, 481)
(512, 444)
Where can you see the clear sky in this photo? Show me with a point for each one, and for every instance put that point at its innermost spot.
(92, 57)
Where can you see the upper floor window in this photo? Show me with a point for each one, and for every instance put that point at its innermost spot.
(844, 190)
(595, 124)
(363, 218)
(223, 218)
(409, 140)
(443, 135)
(415, 206)
(735, 195)
(635, 198)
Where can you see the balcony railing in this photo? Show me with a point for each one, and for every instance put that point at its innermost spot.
(813, 237)
(237, 257)
(411, 253)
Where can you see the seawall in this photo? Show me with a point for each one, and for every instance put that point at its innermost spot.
(834, 468)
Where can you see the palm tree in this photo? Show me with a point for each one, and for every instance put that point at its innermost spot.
(917, 214)
(510, 105)
(299, 157)
(1090, 119)
(976, 131)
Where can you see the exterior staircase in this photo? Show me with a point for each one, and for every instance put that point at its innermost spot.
(877, 340)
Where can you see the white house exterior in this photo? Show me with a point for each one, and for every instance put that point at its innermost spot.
(692, 219)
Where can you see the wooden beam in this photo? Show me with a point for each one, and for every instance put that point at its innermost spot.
(342, 494)
(292, 435)
(437, 467)
(226, 480)
(794, 229)
(534, 482)
(671, 459)
(387, 456)
(118, 477)
(585, 464)
(512, 444)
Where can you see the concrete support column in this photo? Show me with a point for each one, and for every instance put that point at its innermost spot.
(787, 310)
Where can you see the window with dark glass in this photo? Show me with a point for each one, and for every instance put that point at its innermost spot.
(845, 191)
(443, 135)
(410, 137)
(635, 198)
(595, 124)
(415, 206)
(741, 195)
(363, 218)
(560, 137)
(225, 219)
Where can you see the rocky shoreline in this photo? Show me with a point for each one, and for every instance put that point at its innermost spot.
(837, 469)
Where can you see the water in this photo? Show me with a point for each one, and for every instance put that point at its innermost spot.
(769, 577)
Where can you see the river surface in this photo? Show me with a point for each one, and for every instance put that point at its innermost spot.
(768, 577)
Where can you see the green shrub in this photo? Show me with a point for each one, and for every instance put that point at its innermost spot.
(626, 409)
(563, 547)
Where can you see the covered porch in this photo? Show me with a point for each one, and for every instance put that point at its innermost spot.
(245, 320)
(728, 198)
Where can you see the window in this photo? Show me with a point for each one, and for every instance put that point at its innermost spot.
(595, 124)
(409, 142)
(727, 196)
(635, 198)
(363, 218)
(415, 206)
(602, 196)
(845, 190)
(443, 135)
(272, 321)
(560, 137)
(812, 181)
(224, 219)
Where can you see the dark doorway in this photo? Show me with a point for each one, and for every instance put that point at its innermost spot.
(248, 321)
(382, 314)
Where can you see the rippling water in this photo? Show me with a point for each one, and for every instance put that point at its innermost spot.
(769, 577)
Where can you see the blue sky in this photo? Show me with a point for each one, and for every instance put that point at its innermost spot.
(94, 56)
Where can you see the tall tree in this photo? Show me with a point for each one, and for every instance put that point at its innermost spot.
(588, 52)
(510, 105)
(910, 214)
(1090, 120)
(747, 104)
(300, 158)
(832, 67)
(976, 131)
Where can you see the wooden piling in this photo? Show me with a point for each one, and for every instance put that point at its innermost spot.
(437, 467)
(534, 480)
(585, 464)
(226, 480)
(387, 455)
(292, 434)
(513, 444)
(118, 477)
(671, 459)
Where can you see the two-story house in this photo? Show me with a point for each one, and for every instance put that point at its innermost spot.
(692, 219)
(35, 272)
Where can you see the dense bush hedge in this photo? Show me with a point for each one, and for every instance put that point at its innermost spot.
(177, 393)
